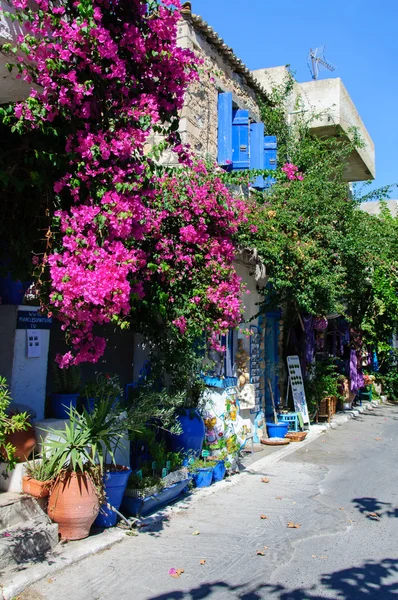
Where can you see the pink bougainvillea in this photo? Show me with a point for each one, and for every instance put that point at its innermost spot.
(108, 76)
(291, 171)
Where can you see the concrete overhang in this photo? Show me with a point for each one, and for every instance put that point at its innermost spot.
(332, 113)
(374, 207)
(335, 114)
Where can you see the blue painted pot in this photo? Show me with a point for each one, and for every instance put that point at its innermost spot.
(135, 507)
(277, 430)
(12, 292)
(193, 433)
(89, 404)
(115, 483)
(219, 471)
(60, 404)
(203, 477)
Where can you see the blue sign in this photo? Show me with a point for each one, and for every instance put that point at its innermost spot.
(29, 319)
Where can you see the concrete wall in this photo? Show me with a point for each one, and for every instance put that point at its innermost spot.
(25, 376)
(199, 122)
(330, 98)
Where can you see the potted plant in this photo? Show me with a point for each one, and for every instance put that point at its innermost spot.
(23, 440)
(147, 490)
(77, 456)
(111, 424)
(219, 471)
(12, 291)
(103, 386)
(202, 472)
(10, 425)
(190, 423)
(39, 477)
(66, 386)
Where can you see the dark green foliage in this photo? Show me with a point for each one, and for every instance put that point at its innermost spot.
(66, 381)
(389, 375)
(321, 382)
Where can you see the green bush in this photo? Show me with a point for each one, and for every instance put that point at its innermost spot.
(9, 424)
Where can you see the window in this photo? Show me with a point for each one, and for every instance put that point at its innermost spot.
(241, 144)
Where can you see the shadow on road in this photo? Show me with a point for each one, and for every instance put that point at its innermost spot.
(374, 508)
(371, 581)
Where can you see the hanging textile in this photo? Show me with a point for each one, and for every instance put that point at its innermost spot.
(309, 352)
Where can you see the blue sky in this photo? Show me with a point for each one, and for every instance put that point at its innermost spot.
(361, 38)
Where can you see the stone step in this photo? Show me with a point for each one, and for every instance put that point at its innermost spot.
(32, 541)
(16, 509)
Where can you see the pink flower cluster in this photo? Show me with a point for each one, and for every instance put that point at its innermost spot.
(291, 171)
(194, 250)
(111, 74)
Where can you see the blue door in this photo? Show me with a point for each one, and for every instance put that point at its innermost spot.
(271, 336)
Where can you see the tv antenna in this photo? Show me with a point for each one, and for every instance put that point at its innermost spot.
(317, 60)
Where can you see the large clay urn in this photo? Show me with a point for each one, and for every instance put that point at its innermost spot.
(74, 505)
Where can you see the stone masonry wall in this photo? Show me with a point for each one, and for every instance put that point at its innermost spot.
(199, 121)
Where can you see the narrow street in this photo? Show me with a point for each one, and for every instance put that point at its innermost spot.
(342, 493)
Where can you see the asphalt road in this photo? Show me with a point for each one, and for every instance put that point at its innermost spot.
(342, 493)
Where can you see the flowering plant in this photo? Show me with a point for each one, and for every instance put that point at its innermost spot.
(124, 245)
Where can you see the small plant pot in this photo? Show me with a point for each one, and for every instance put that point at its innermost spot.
(115, 483)
(35, 488)
(140, 506)
(12, 292)
(203, 477)
(192, 435)
(219, 471)
(90, 403)
(61, 403)
(277, 430)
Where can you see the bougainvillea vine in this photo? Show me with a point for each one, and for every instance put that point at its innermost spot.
(110, 77)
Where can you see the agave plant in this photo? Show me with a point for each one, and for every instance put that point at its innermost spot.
(87, 440)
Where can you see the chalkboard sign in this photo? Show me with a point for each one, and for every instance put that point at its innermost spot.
(297, 387)
(30, 319)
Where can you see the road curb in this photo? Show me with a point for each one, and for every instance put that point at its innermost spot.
(74, 552)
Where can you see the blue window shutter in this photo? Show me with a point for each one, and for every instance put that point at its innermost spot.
(224, 129)
(240, 139)
(257, 152)
(270, 147)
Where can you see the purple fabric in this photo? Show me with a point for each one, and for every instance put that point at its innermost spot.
(353, 371)
(345, 334)
(360, 379)
(320, 323)
(309, 351)
(334, 341)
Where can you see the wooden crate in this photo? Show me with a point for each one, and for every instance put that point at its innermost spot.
(327, 408)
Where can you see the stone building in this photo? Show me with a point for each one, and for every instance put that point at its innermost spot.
(221, 122)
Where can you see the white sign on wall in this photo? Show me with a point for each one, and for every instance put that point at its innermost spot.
(33, 339)
(297, 387)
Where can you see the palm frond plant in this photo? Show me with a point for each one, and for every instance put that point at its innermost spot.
(40, 468)
(83, 455)
(76, 455)
(39, 477)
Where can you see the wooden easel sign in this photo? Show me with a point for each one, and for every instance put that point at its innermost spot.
(297, 386)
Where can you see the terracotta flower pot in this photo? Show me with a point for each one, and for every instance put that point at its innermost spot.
(74, 505)
(37, 489)
(24, 442)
